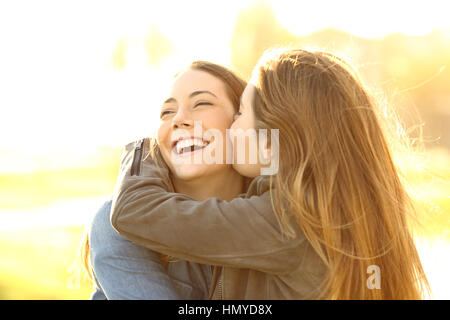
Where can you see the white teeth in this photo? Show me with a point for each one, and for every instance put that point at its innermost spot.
(185, 143)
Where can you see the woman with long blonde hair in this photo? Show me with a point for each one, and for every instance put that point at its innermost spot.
(336, 174)
(331, 222)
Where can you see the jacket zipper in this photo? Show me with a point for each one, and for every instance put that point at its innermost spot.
(137, 158)
(219, 285)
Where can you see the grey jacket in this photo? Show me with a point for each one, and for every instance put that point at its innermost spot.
(240, 238)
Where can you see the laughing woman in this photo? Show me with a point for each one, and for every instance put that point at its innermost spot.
(334, 211)
(205, 92)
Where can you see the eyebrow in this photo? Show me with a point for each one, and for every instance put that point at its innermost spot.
(193, 94)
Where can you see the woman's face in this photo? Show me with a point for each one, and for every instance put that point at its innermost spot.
(244, 124)
(195, 96)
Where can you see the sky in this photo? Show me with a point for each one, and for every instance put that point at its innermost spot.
(61, 96)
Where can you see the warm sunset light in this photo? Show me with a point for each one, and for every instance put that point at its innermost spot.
(369, 19)
(78, 80)
(67, 68)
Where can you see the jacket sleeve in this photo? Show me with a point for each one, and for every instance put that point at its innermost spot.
(242, 233)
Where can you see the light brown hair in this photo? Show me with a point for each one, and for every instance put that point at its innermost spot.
(336, 174)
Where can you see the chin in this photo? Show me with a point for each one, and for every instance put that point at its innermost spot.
(189, 172)
(248, 170)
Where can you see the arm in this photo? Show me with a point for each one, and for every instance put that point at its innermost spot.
(242, 233)
(123, 270)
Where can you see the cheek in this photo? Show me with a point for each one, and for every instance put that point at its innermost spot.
(247, 122)
(242, 123)
(236, 124)
(219, 120)
(163, 134)
(163, 137)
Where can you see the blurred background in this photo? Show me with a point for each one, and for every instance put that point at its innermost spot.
(79, 79)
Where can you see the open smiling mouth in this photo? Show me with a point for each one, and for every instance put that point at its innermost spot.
(188, 146)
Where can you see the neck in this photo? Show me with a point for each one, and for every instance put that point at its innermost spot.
(225, 185)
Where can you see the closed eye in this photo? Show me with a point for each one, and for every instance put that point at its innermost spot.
(203, 103)
(165, 112)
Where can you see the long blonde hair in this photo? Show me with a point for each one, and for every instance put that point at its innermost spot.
(234, 86)
(336, 174)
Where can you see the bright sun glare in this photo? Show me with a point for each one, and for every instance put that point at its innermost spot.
(369, 19)
(60, 87)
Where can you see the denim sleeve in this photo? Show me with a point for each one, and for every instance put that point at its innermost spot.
(98, 293)
(124, 270)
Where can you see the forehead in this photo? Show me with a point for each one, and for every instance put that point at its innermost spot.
(195, 80)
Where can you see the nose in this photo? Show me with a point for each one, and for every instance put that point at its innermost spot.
(183, 119)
